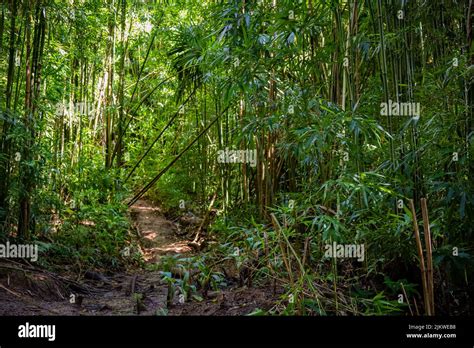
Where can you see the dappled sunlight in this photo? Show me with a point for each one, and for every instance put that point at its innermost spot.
(158, 234)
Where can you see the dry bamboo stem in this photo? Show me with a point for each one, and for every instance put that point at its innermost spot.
(416, 306)
(277, 227)
(422, 259)
(205, 221)
(408, 300)
(429, 253)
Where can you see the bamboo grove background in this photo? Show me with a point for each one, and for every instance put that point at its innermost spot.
(99, 99)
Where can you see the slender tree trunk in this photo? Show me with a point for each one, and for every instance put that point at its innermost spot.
(5, 141)
(122, 85)
(109, 87)
(24, 216)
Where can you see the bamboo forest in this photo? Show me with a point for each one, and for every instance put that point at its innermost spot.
(236, 158)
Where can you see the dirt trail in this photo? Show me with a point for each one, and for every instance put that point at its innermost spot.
(157, 234)
(25, 291)
(30, 291)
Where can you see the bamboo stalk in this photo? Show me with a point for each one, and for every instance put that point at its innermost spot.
(408, 301)
(289, 246)
(285, 258)
(422, 260)
(206, 220)
(429, 253)
(416, 306)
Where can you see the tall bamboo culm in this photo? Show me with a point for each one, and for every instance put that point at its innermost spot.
(426, 269)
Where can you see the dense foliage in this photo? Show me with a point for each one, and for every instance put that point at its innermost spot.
(100, 97)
